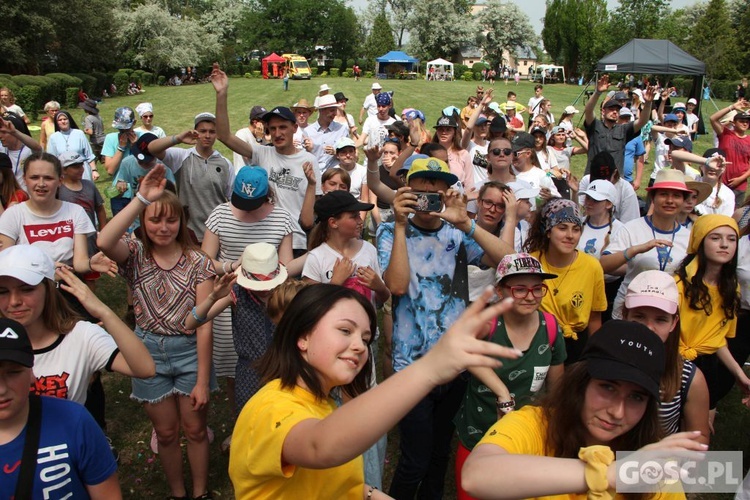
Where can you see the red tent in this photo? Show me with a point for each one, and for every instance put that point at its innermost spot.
(275, 62)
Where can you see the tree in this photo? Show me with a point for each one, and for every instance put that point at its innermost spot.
(575, 33)
(741, 25)
(678, 25)
(715, 43)
(152, 38)
(637, 19)
(380, 40)
(299, 25)
(401, 16)
(439, 28)
(506, 27)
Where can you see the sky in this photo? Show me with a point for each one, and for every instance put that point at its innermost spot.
(535, 9)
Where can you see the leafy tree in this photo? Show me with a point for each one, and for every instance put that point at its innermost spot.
(678, 25)
(152, 38)
(716, 42)
(575, 33)
(741, 24)
(401, 10)
(439, 28)
(299, 25)
(506, 27)
(380, 40)
(637, 19)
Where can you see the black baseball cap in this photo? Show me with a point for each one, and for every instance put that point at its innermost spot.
(498, 125)
(257, 112)
(624, 350)
(338, 202)
(714, 151)
(398, 127)
(522, 140)
(140, 148)
(15, 345)
(280, 112)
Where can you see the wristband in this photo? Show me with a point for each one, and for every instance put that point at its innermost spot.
(369, 493)
(625, 254)
(194, 312)
(597, 459)
(142, 199)
(174, 139)
(413, 145)
(506, 406)
(473, 228)
(120, 149)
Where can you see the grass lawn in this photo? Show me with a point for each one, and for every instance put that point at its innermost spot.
(174, 108)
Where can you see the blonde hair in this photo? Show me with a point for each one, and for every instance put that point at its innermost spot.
(282, 296)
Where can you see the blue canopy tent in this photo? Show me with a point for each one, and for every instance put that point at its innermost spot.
(395, 62)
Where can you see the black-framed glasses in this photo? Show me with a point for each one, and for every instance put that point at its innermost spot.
(491, 205)
(497, 151)
(521, 291)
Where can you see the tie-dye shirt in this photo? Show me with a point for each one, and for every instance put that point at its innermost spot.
(438, 286)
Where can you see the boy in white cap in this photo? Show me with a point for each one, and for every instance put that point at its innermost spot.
(370, 105)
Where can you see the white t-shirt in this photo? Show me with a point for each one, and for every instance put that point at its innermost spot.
(64, 369)
(359, 178)
(549, 160)
(16, 159)
(692, 119)
(54, 234)
(726, 207)
(375, 130)
(593, 238)
(534, 108)
(15, 108)
(370, 105)
(627, 207)
(480, 174)
(743, 270)
(320, 262)
(287, 177)
(246, 135)
(640, 231)
(562, 156)
(534, 177)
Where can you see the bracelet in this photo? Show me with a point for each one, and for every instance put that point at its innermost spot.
(369, 493)
(597, 459)
(373, 171)
(174, 139)
(473, 228)
(120, 149)
(142, 199)
(90, 269)
(505, 406)
(625, 254)
(197, 318)
(413, 145)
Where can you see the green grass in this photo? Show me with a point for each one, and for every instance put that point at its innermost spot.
(174, 108)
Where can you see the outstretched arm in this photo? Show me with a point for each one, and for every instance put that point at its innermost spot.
(220, 82)
(588, 112)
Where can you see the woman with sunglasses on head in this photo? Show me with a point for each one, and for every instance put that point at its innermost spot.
(655, 241)
(527, 168)
(558, 142)
(565, 448)
(491, 394)
(577, 298)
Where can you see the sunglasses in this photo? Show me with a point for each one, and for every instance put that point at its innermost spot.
(518, 153)
(394, 140)
(498, 151)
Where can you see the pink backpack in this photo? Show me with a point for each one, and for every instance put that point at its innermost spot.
(551, 328)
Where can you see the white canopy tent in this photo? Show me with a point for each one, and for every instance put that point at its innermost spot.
(442, 68)
(544, 71)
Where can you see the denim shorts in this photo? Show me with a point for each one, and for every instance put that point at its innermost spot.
(176, 360)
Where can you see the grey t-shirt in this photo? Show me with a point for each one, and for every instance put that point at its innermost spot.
(94, 122)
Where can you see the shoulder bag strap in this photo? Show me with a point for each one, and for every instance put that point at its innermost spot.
(25, 484)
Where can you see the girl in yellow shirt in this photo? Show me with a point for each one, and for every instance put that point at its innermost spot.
(710, 300)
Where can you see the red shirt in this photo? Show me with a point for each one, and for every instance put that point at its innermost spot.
(738, 153)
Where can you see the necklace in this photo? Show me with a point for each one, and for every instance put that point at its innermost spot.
(661, 254)
(558, 282)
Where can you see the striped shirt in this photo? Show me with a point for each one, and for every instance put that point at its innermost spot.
(670, 413)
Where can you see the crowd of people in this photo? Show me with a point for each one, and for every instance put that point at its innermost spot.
(547, 321)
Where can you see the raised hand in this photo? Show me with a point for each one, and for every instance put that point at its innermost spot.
(219, 79)
(603, 84)
(153, 183)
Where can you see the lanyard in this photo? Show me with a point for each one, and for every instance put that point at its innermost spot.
(663, 261)
(18, 160)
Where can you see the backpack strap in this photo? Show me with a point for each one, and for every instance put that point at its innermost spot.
(551, 327)
(25, 484)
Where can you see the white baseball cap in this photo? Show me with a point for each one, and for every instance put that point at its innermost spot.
(26, 263)
(601, 190)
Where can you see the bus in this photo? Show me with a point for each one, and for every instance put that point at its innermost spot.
(299, 69)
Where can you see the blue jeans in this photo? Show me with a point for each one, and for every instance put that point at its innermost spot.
(426, 433)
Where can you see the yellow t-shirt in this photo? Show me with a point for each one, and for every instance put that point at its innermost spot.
(255, 466)
(524, 432)
(699, 332)
(580, 290)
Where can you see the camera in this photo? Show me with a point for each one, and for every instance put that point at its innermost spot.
(480, 160)
(428, 202)
(588, 93)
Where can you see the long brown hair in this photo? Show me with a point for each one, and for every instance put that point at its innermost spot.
(168, 205)
(9, 187)
(563, 407)
(283, 359)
